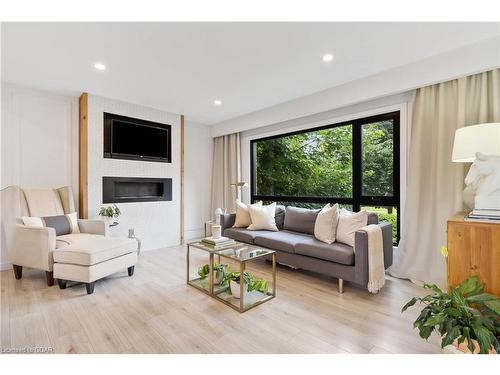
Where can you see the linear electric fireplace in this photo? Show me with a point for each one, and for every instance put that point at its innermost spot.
(135, 189)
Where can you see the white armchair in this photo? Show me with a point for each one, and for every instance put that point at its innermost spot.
(35, 247)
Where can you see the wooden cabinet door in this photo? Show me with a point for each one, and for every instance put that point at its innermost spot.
(474, 249)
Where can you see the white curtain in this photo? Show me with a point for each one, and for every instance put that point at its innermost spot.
(435, 183)
(225, 171)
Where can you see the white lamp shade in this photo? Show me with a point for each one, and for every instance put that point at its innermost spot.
(483, 138)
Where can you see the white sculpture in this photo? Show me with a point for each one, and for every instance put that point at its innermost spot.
(483, 182)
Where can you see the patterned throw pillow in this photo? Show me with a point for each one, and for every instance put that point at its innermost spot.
(63, 224)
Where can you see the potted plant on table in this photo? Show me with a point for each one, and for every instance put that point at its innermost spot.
(250, 283)
(110, 213)
(219, 271)
(465, 317)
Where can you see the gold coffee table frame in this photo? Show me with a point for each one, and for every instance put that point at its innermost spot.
(241, 253)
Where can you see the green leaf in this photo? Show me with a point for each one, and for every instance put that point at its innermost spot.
(450, 337)
(433, 287)
(457, 299)
(434, 320)
(425, 332)
(409, 304)
(468, 285)
(494, 306)
(478, 298)
(451, 311)
(484, 338)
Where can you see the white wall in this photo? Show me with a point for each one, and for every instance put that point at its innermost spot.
(157, 224)
(39, 148)
(197, 178)
(474, 58)
(37, 141)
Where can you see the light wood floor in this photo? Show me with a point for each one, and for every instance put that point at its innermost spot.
(156, 312)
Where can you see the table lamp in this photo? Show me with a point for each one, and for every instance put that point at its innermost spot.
(480, 144)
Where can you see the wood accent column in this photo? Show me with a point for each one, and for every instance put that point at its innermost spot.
(182, 181)
(83, 141)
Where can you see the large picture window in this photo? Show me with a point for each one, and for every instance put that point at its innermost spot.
(354, 163)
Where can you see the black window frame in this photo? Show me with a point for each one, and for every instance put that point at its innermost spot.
(358, 199)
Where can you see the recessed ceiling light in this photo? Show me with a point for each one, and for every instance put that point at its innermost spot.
(100, 66)
(328, 57)
(218, 102)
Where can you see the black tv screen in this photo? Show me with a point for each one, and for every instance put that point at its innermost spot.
(128, 138)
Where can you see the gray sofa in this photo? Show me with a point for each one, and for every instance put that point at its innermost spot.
(296, 245)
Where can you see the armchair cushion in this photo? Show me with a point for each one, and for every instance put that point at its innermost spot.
(90, 249)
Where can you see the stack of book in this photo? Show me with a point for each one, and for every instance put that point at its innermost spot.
(218, 243)
(484, 215)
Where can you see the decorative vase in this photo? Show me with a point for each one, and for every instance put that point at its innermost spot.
(218, 277)
(235, 289)
(216, 231)
(108, 220)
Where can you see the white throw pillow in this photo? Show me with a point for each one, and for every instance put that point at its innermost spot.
(31, 221)
(349, 223)
(243, 219)
(263, 217)
(325, 226)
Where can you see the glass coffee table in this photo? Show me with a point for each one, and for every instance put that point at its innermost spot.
(217, 286)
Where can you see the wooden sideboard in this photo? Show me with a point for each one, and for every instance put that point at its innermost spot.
(473, 249)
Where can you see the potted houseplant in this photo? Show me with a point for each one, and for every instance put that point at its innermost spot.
(465, 317)
(218, 269)
(250, 283)
(110, 213)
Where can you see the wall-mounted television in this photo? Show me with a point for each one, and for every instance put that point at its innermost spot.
(136, 139)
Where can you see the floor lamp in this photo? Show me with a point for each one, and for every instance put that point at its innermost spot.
(238, 185)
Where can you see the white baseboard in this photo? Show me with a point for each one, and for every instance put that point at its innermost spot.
(191, 234)
(4, 266)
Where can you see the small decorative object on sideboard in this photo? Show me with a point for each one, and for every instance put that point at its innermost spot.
(110, 214)
(465, 317)
(480, 144)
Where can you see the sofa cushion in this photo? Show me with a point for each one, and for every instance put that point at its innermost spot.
(335, 252)
(279, 216)
(283, 240)
(300, 219)
(89, 249)
(243, 234)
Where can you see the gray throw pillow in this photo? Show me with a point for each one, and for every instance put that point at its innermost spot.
(279, 216)
(300, 219)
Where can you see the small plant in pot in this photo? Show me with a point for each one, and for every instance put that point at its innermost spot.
(218, 269)
(250, 283)
(110, 213)
(465, 317)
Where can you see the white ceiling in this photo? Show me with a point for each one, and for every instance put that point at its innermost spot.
(183, 67)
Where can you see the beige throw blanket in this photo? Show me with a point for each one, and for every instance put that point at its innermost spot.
(376, 269)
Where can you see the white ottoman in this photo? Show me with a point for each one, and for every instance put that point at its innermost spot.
(87, 258)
